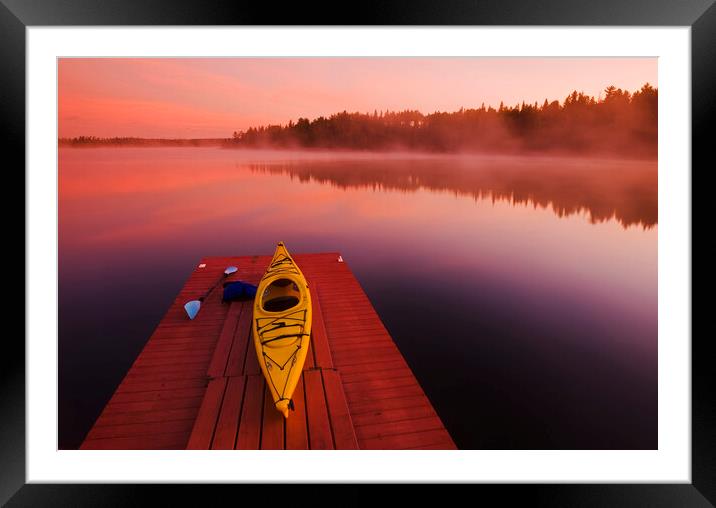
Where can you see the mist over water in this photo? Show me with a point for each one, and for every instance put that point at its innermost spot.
(521, 290)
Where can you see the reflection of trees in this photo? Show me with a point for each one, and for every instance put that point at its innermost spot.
(619, 123)
(625, 191)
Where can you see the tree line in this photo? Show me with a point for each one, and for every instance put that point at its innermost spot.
(135, 141)
(618, 122)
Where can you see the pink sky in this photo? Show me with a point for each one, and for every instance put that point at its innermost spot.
(213, 97)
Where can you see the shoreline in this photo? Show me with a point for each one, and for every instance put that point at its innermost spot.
(328, 152)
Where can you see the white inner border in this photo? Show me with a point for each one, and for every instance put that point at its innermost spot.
(671, 462)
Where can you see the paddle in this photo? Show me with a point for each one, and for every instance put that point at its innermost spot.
(192, 307)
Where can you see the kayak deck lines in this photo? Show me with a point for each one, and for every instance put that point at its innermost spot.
(197, 383)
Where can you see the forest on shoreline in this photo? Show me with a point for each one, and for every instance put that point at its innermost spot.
(617, 123)
(80, 141)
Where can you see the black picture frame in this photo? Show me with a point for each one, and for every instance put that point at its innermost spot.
(700, 15)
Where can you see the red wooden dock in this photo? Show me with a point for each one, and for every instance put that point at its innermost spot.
(197, 384)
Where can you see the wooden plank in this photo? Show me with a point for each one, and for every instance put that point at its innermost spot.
(319, 427)
(358, 355)
(240, 341)
(445, 444)
(210, 316)
(344, 435)
(357, 322)
(167, 331)
(319, 337)
(157, 395)
(363, 360)
(217, 365)
(179, 339)
(249, 437)
(188, 360)
(140, 429)
(151, 406)
(179, 345)
(342, 306)
(273, 424)
(131, 386)
(385, 404)
(227, 426)
(387, 393)
(191, 369)
(382, 429)
(310, 362)
(405, 441)
(393, 415)
(296, 424)
(160, 441)
(203, 430)
(251, 366)
(152, 377)
(178, 351)
(177, 356)
(377, 348)
(347, 370)
(380, 384)
(360, 377)
(375, 340)
(347, 329)
(124, 418)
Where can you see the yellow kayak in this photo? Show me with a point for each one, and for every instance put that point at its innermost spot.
(282, 326)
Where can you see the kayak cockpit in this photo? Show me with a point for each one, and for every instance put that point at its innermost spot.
(282, 294)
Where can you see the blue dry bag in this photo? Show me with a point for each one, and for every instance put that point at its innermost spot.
(238, 291)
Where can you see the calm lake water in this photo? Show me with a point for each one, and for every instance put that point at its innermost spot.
(521, 291)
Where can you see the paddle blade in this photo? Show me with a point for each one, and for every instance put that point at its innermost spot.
(230, 270)
(192, 308)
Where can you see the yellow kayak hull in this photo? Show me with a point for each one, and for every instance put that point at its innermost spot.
(282, 326)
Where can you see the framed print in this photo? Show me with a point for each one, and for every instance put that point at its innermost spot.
(452, 245)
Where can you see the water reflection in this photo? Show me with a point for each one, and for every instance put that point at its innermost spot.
(621, 190)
